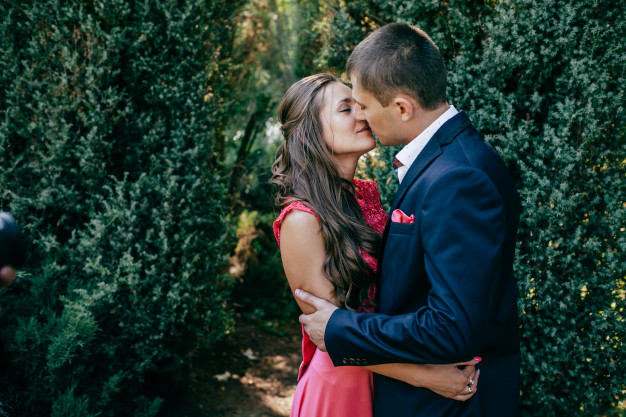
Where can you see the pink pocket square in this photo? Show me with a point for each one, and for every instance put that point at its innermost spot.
(398, 216)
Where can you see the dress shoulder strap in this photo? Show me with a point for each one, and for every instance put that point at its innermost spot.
(296, 205)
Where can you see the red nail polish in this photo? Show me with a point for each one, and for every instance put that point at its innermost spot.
(478, 358)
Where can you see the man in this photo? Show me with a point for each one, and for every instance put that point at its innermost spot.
(446, 288)
(12, 249)
(7, 276)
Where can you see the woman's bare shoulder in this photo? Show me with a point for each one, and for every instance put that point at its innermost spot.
(300, 221)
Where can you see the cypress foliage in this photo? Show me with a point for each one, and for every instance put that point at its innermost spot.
(112, 118)
(544, 82)
(556, 76)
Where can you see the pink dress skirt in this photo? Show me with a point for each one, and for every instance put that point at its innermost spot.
(328, 391)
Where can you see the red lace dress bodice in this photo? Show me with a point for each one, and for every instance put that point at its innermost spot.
(369, 200)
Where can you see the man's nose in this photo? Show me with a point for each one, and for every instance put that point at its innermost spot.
(358, 112)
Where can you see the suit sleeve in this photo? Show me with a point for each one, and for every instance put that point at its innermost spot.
(462, 230)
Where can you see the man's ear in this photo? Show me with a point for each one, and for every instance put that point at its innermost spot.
(405, 107)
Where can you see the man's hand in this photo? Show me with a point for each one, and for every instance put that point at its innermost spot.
(315, 323)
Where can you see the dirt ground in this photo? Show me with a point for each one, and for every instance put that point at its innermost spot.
(250, 373)
(254, 377)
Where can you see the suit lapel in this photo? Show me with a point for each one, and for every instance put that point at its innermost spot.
(446, 133)
(430, 152)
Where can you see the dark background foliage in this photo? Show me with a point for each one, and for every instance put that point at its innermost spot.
(135, 146)
(112, 113)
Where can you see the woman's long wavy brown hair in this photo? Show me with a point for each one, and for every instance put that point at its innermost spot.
(304, 171)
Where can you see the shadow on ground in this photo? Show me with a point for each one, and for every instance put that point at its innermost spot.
(249, 373)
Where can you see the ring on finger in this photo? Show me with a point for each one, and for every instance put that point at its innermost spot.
(469, 388)
(471, 381)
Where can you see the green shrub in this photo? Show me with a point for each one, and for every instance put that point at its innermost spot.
(112, 113)
(556, 112)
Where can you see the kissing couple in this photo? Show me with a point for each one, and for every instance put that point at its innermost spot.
(402, 312)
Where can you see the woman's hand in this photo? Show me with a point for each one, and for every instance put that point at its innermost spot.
(446, 380)
(451, 382)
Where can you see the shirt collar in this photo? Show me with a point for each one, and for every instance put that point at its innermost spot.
(408, 154)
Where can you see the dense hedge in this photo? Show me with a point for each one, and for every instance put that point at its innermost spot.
(116, 119)
(111, 118)
(544, 82)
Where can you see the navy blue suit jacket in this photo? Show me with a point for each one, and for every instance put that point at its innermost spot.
(446, 288)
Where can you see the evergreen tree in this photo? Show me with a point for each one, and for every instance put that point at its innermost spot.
(111, 145)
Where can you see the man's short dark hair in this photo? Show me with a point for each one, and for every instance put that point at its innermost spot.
(399, 58)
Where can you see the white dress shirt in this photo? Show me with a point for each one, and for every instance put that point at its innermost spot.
(408, 154)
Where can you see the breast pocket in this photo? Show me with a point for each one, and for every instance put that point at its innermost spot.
(401, 254)
(402, 228)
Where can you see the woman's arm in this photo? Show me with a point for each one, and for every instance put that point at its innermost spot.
(303, 255)
(446, 380)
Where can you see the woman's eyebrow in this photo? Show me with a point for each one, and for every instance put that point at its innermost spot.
(345, 100)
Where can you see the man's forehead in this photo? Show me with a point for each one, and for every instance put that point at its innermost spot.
(359, 95)
(356, 89)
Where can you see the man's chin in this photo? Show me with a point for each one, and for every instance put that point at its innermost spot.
(383, 141)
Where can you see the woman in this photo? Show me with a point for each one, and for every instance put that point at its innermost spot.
(329, 230)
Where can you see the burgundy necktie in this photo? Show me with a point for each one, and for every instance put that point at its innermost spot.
(397, 164)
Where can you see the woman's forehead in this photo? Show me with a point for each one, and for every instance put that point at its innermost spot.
(337, 93)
